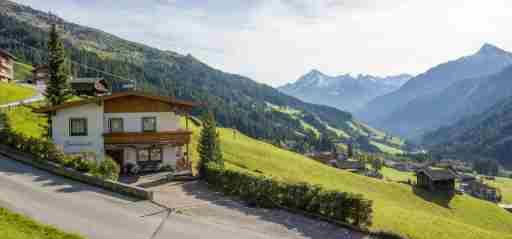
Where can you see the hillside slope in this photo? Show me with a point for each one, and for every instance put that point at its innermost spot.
(10, 92)
(237, 101)
(344, 92)
(488, 134)
(397, 207)
(392, 110)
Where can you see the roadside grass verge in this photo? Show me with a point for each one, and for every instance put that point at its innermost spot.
(16, 226)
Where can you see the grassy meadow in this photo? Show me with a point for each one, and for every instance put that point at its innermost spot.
(397, 206)
(15, 226)
(10, 92)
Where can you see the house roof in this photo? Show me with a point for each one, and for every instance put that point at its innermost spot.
(5, 53)
(177, 103)
(349, 165)
(90, 80)
(438, 174)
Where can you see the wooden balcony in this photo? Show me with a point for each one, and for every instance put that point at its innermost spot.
(178, 138)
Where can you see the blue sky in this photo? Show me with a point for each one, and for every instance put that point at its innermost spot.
(276, 41)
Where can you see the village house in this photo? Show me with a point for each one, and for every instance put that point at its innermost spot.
(6, 66)
(481, 190)
(89, 86)
(133, 128)
(436, 179)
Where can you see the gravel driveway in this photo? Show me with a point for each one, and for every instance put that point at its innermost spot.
(194, 199)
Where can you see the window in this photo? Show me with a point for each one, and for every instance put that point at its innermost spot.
(149, 155)
(149, 124)
(78, 127)
(116, 125)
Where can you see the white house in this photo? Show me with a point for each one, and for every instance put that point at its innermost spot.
(131, 127)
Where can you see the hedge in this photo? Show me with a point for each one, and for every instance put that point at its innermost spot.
(45, 150)
(266, 192)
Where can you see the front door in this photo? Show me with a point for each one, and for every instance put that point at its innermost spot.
(118, 156)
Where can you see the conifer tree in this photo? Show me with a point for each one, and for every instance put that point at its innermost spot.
(209, 143)
(58, 89)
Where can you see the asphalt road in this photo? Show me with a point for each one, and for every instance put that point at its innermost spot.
(98, 214)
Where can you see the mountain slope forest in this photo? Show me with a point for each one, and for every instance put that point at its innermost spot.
(238, 102)
(344, 92)
(441, 95)
(488, 134)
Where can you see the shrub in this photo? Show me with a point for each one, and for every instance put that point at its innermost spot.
(266, 192)
(107, 169)
(385, 235)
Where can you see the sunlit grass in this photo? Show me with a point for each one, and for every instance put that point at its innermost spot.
(396, 206)
(15, 226)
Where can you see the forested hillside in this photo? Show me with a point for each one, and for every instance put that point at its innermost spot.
(237, 101)
(488, 134)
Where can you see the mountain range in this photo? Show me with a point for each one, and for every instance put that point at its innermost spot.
(255, 109)
(444, 94)
(344, 92)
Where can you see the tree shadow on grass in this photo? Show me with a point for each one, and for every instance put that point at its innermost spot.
(63, 185)
(439, 197)
(229, 210)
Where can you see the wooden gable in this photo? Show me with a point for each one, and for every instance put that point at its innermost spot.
(137, 104)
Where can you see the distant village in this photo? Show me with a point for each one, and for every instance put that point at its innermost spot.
(442, 176)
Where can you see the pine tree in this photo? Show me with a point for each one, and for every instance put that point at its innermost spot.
(209, 143)
(58, 89)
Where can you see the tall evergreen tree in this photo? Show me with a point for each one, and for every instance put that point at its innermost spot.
(209, 143)
(58, 89)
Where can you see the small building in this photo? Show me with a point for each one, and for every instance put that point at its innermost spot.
(40, 75)
(483, 191)
(133, 128)
(436, 179)
(6, 66)
(350, 165)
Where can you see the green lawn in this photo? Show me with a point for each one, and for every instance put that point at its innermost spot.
(386, 149)
(22, 71)
(505, 184)
(392, 174)
(24, 121)
(10, 92)
(15, 226)
(396, 206)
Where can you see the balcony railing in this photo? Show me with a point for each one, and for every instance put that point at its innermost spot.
(177, 137)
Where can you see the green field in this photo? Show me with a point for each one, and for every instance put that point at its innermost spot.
(397, 207)
(15, 226)
(10, 92)
(505, 184)
(22, 71)
(386, 149)
(24, 121)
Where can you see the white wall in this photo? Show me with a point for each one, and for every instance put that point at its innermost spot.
(93, 142)
(165, 121)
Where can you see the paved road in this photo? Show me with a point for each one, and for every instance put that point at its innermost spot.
(98, 214)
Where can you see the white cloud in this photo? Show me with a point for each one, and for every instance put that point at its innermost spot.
(276, 41)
